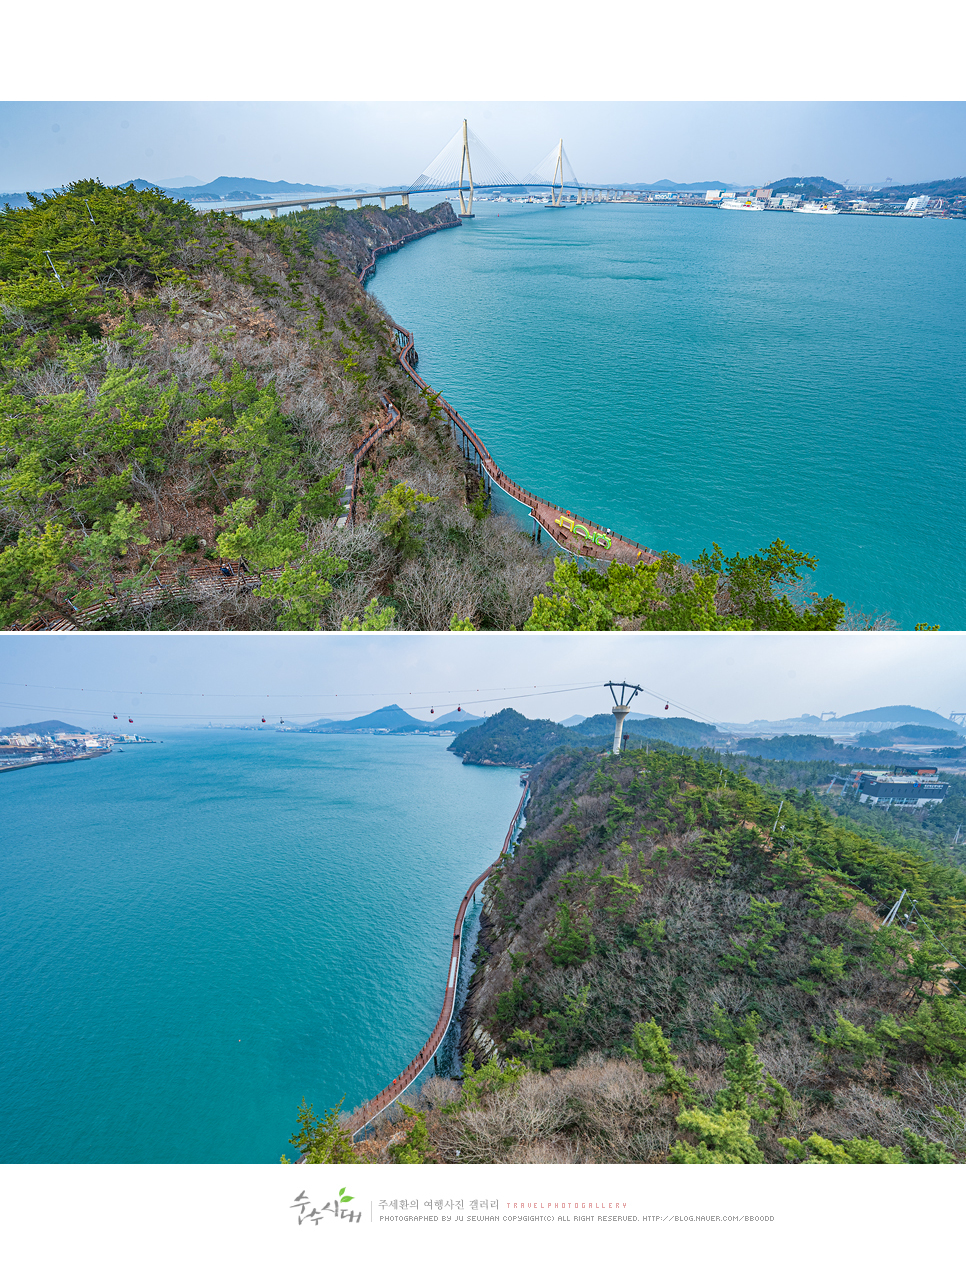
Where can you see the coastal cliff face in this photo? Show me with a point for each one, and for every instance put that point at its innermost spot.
(188, 389)
(648, 908)
(352, 238)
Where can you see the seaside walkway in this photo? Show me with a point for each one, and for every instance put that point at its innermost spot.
(363, 1116)
(574, 533)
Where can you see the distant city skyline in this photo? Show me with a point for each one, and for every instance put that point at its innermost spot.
(48, 144)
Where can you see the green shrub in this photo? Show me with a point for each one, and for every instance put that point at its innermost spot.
(416, 1147)
(723, 1138)
(574, 942)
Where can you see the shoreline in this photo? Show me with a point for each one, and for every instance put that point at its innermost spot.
(46, 762)
(369, 1111)
(586, 538)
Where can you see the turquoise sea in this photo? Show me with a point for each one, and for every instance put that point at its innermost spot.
(689, 376)
(197, 934)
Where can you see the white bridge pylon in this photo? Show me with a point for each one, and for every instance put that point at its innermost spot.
(453, 169)
(556, 170)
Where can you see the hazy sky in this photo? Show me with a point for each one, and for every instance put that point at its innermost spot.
(45, 144)
(159, 679)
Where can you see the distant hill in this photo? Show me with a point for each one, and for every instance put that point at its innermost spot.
(22, 199)
(46, 728)
(800, 747)
(807, 186)
(900, 714)
(950, 187)
(510, 739)
(676, 731)
(572, 721)
(455, 716)
(389, 717)
(243, 186)
(674, 185)
(908, 732)
(454, 723)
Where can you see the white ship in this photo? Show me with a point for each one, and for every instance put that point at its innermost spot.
(743, 204)
(821, 209)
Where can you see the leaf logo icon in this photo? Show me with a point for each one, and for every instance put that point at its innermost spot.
(344, 1198)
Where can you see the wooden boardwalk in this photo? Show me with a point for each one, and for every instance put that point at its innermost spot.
(572, 532)
(369, 1110)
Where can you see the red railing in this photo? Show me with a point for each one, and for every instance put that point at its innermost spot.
(371, 1109)
(542, 511)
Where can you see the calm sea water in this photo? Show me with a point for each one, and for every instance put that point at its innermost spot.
(198, 934)
(696, 376)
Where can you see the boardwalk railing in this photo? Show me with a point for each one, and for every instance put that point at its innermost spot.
(368, 1112)
(396, 243)
(577, 535)
(348, 516)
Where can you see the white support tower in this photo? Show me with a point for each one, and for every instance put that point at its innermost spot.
(622, 708)
(556, 197)
(466, 209)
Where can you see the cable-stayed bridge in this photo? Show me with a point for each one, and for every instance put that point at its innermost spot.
(463, 166)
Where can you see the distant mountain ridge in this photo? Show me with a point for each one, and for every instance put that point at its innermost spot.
(230, 186)
(901, 714)
(386, 717)
(677, 731)
(949, 187)
(668, 185)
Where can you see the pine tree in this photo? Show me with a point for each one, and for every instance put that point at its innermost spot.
(322, 1139)
(417, 1147)
(654, 1054)
(724, 1138)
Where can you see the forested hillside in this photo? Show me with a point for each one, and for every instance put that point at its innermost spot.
(654, 907)
(675, 968)
(936, 829)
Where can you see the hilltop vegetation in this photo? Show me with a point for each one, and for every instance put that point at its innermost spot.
(675, 731)
(808, 186)
(510, 739)
(176, 386)
(670, 971)
(662, 977)
(804, 765)
(935, 830)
